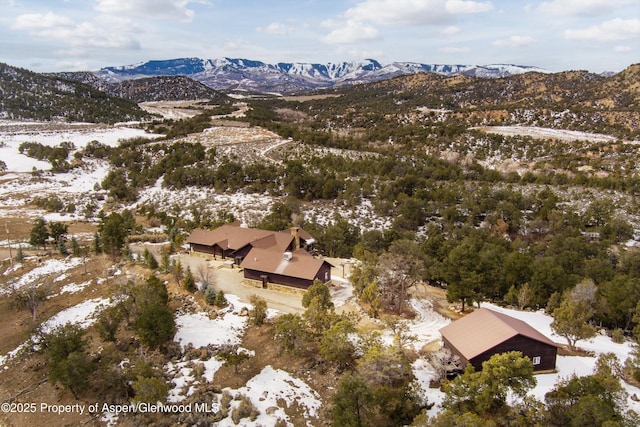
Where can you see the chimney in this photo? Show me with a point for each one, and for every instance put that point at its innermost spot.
(296, 238)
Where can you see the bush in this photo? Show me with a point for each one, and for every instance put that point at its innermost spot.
(69, 363)
(210, 296)
(245, 409)
(155, 325)
(149, 390)
(617, 336)
(221, 300)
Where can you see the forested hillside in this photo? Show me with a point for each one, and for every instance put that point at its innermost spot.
(430, 194)
(28, 95)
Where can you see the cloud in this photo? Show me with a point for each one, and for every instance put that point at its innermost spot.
(623, 49)
(454, 49)
(413, 12)
(514, 41)
(581, 7)
(41, 22)
(450, 30)
(163, 9)
(349, 32)
(461, 6)
(358, 53)
(275, 29)
(615, 29)
(105, 32)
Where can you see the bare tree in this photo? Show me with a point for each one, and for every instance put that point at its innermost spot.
(31, 296)
(443, 361)
(203, 274)
(400, 269)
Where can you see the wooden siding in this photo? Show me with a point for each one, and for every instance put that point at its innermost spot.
(323, 272)
(528, 347)
(211, 250)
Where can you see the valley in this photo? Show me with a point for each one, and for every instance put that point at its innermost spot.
(467, 189)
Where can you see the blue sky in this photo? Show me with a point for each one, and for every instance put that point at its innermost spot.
(57, 35)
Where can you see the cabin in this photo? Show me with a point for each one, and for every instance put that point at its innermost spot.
(234, 241)
(483, 333)
(278, 257)
(298, 269)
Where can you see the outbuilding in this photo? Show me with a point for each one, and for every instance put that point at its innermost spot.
(483, 333)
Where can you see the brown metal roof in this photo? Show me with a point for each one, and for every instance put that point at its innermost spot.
(301, 264)
(280, 240)
(484, 329)
(228, 236)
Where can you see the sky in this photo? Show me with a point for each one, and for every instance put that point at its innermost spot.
(557, 35)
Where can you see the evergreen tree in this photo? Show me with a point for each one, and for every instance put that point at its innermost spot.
(165, 261)
(320, 291)
(210, 296)
(188, 282)
(75, 247)
(97, 244)
(352, 403)
(221, 300)
(68, 361)
(571, 321)
(259, 313)
(39, 233)
(155, 325)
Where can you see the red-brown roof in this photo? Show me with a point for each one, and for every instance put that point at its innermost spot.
(484, 329)
(300, 265)
(228, 236)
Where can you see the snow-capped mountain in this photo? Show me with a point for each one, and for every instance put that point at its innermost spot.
(283, 77)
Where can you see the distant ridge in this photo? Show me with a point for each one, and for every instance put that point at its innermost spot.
(285, 77)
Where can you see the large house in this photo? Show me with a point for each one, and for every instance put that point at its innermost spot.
(278, 257)
(483, 333)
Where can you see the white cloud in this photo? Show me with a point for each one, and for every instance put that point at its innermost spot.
(580, 7)
(164, 9)
(413, 12)
(450, 30)
(41, 22)
(615, 29)
(455, 49)
(349, 32)
(623, 49)
(275, 29)
(461, 6)
(105, 32)
(358, 53)
(514, 41)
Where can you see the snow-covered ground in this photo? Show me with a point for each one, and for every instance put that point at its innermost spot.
(548, 133)
(51, 268)
(199, 330)
(267, 389)
(83, 315)
(12, 134)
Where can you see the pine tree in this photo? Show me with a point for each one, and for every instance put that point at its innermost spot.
(75, 247)
(189, 283)
(97, 243)
(221, 300)
(39, 233)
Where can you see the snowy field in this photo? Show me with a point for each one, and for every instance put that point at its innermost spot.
(12, 134)
(547, 133)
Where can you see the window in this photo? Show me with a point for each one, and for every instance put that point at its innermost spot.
(536, 360)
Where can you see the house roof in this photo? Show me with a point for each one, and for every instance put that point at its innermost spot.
(280, 240)
(484, 329)
(229, 236)
(301, 264)
(234, 236)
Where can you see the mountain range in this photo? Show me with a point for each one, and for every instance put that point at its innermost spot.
(245, 74)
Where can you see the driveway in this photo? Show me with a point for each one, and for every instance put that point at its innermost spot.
(229, 280)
